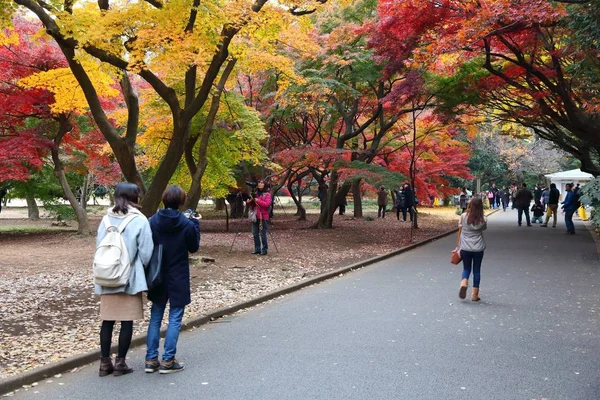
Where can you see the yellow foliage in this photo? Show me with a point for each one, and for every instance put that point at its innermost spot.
(8, 37)
(68, 96)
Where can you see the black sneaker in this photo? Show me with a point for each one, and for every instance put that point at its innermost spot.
(151, 366)
(168, 367)
(264, 253)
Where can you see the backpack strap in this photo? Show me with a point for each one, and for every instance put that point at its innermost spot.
(107, 223)
(125, 222)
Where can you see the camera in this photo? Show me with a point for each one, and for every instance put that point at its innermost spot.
(252, 185)
(191, 213)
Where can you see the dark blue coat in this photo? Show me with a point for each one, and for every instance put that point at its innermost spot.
(409, 197)
(178, 235)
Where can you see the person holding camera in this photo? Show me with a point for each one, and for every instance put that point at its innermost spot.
(260, 203)
(178, 233)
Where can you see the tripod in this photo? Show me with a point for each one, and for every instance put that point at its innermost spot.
(268, 231)
(280, 204)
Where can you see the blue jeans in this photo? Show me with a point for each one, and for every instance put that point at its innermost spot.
(156, 316)
(472, 260)
(569, 220)
(259, 231)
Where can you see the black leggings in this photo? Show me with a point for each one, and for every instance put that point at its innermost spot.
(124, 337)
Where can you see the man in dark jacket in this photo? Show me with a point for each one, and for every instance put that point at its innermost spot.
(179, 234)
(505, 197)
(523, 200)
(409, 202)
(399, 201)
(553, 196)
(537, 193)
(570, 206)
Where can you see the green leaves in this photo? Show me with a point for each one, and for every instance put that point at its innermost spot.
(455, 92)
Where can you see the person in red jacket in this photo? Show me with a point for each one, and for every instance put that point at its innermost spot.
(260, 203)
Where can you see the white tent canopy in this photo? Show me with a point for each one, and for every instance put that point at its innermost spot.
(560, 179)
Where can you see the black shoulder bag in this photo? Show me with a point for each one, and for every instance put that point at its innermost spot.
(154, 271)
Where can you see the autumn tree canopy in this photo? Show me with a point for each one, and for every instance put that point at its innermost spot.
(342, 94)
(514, 60)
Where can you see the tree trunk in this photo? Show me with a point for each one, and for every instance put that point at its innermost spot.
(226, 219)
(357, 196)
(167, 168)
(300, 210)
(415, 218)
(83, 227)
(220, 204)
(195, 192)
(329, 204)
(33, 212)
(197, 170)
(84, 190)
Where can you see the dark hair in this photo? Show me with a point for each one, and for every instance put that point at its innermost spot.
(524, 184)
(173, 197)
(475, 211)
(126, 195)
(266, 188)
(553, 186)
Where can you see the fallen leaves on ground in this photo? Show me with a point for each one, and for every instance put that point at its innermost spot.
(48, 310)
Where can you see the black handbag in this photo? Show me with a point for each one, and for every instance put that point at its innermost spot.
(154, 270)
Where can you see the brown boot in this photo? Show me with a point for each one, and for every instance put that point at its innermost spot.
(475, 295)
(462, 293)
(106, 366)
(121, 367)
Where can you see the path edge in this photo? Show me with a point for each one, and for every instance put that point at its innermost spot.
(13, 383)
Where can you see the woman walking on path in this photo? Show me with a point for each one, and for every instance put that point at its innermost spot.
(124, 303)
(260, 203)
(472, 246)
(178, 235)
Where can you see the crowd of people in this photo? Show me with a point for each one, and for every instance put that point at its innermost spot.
(546, 202)
(472, 222)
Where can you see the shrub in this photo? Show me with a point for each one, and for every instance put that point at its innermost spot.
(61, 212)
(590, 196)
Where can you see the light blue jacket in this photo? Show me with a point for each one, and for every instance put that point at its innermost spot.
(138, 239)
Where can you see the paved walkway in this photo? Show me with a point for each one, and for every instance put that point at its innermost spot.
(397, 330)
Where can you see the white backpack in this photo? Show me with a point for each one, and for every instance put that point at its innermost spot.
(112, 264)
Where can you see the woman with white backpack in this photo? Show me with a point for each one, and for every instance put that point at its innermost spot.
(123, 247)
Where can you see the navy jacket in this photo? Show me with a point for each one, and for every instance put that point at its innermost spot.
(178, 235)
(570, 204)
(409, 198)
